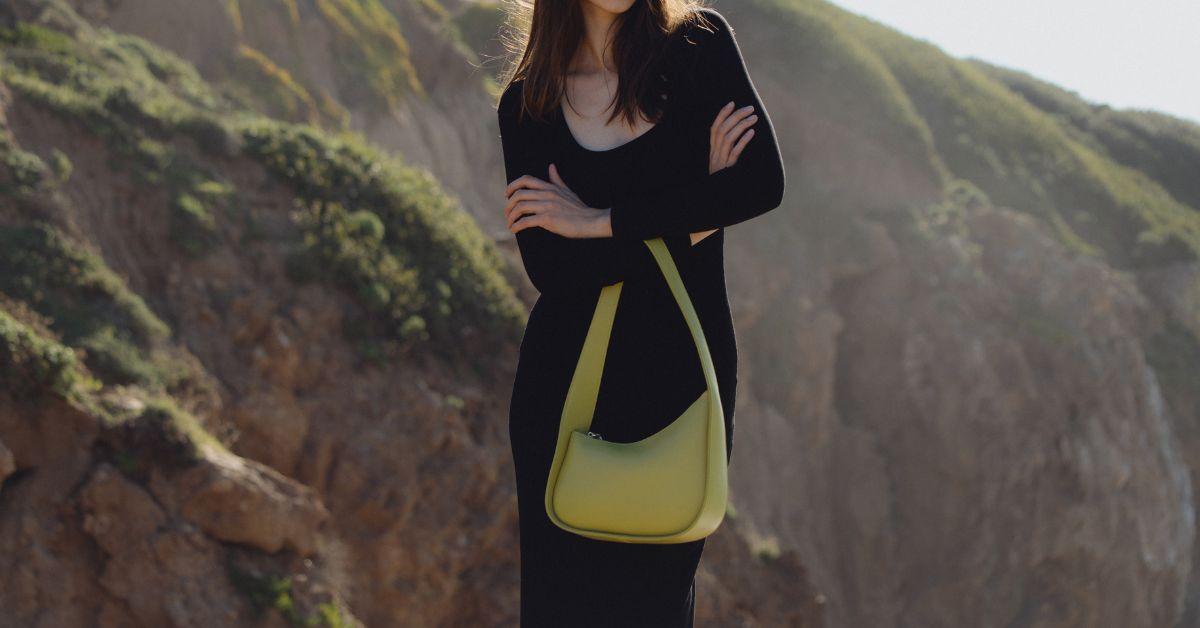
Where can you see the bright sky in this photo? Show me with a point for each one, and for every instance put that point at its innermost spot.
(1142, 54)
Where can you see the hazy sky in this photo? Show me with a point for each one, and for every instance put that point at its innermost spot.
(1142, 54)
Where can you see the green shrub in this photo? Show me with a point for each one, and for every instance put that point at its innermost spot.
(269, 591)
(766, 548)
(89, 305)
(193, 227)
(439, 272)
(28, 35)
(380, 280)
(60, 164)
(25, 172)
(365, 224)
(31, 364)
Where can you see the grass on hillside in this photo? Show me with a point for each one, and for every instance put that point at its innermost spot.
(1024, 158)
(427, 280)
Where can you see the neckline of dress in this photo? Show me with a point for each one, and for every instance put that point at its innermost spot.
(565, 127)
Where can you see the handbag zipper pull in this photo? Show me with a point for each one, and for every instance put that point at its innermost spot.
(595, 435)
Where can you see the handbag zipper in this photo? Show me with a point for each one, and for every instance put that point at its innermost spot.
(595, 435)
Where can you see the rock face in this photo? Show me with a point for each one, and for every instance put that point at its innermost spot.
(992, 447)
(954, 418)
(163, 573)
(49, 572)
(242, 501)
(1017, 404)
(83, 544)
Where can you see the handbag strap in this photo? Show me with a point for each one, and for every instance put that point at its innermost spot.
(580, 406)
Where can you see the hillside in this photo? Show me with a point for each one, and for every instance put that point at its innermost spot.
(345, 64)
(976, 424)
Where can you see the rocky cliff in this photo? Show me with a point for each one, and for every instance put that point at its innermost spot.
(975, 368)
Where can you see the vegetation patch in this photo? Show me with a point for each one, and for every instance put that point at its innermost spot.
(419, 262)
(272, 592)
(21, 173)
(124, 91)
(273, 88)
(60, 165)
(193, 220)
(374, 57)
(382, 230)
(335, 242)
(88, 304)
(1161, 145)
(765, 548)
(1031, 160)
(31, 364)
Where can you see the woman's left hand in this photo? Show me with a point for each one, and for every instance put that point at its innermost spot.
(533, 202)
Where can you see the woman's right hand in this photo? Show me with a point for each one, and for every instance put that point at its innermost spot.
(727, 138)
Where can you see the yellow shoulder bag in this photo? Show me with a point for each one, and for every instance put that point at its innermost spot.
(670, 487)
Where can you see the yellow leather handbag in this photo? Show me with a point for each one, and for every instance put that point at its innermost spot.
(670, 487)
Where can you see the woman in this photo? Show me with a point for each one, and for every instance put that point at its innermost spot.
(693, 152)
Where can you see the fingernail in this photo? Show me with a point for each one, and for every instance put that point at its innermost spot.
(753, 117)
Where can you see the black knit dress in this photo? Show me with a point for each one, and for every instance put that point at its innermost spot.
(657, 185)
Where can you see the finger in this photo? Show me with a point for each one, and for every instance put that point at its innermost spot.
(741, 144)
(724, 111)
(526, 181)
(528, 195)
(524, 208)
(555, 178)
(736, 149)
(721, 114)
(720, 135)
(533, 220)
(736, 117)
(737, 130)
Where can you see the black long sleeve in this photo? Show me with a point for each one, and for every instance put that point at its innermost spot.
(555, 262)
(751, 187)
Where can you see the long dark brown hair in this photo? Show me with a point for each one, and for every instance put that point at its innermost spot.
(543, 36)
